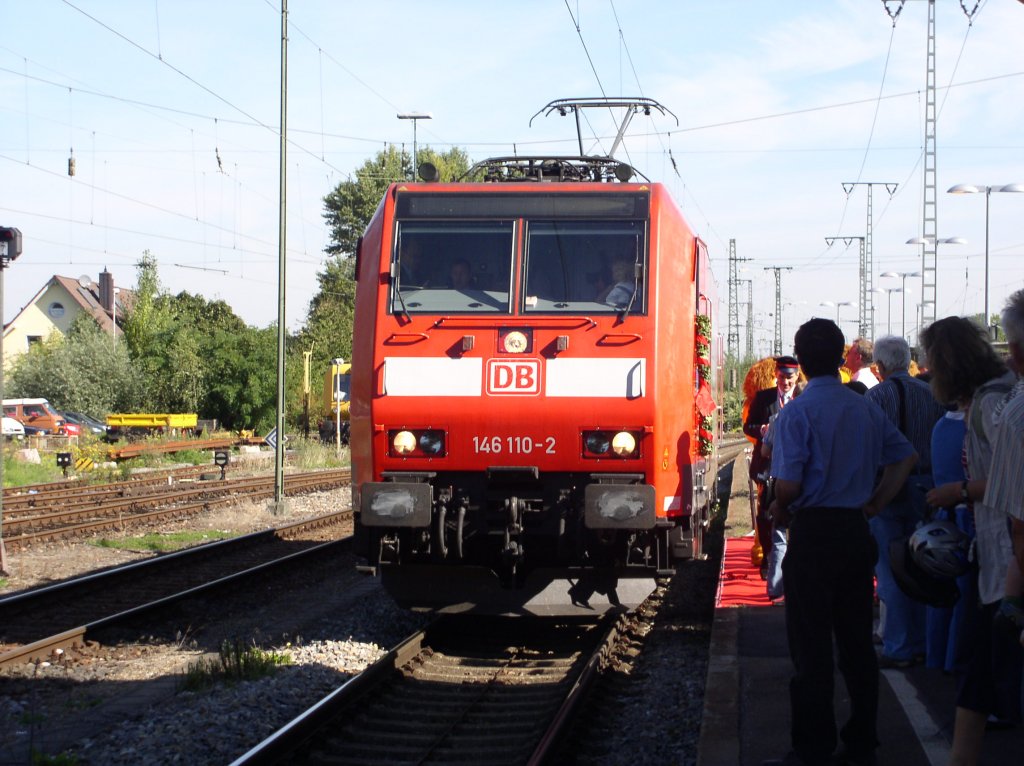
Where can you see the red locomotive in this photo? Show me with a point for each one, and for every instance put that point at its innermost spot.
(533, 385)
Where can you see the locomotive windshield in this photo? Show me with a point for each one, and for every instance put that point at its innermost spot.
(568, 266)
(454, 266)
(584, 266)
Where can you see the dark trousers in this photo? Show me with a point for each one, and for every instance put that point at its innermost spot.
(828, 580)
(763, 523)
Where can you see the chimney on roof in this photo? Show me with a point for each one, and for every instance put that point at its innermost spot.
(107, 291)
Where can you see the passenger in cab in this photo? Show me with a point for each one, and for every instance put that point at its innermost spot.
(825, 471)
(624, 284)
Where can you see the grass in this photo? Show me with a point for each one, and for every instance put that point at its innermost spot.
(17, 473)
(237, 662)
(162, 543)
(302, 454)
(311, 454)
(61, 759)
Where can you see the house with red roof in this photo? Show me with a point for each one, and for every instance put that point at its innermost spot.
(58, 304)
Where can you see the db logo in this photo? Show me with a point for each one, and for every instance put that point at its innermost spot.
(513, 378)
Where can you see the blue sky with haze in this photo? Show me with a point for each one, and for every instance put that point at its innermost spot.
(170, 111)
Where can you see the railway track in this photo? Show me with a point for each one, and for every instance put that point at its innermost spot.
(38, 622)
(466, 689)
(87, 510)
(32, 494)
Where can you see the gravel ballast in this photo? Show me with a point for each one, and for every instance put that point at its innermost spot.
(130, 709)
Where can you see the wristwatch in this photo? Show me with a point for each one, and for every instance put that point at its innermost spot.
(963, 491)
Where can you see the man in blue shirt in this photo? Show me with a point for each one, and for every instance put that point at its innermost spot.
(829, 444)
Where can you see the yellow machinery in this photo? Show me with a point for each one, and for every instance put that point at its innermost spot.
(335, 427)
(181, 421)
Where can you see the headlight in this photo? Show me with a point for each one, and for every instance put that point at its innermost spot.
(404, 442)
(611, 444)
(596, 442)
(416, 443)
(623, 444)
(431, 442)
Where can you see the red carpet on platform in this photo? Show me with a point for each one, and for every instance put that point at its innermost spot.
(740, 583)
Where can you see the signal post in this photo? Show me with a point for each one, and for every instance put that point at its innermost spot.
(10, 249)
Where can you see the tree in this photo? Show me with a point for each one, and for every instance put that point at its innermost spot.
(86, 371)
(348, 210)
(451, 166)
(148, 316)
(205, 316)
(242, 379)
(350, 206)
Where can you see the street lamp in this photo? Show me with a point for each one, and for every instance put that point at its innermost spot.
(415, 117)
(974, 189)
(903, 289)
(838, 307)
(888, 309)
(935, 243)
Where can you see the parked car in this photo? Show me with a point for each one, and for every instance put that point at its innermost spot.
(72, 429)
(88, 424)
(35, 412)
(12, 427)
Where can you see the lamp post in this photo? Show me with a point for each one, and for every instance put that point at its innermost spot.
(888, 304)
(838, 307)
(976, 189)
(903, 289)
(935, 243)
(415, 117)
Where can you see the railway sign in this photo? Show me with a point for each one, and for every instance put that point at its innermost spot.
(271, 438)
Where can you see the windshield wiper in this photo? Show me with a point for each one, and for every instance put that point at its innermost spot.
(397, 287)
(636, 288)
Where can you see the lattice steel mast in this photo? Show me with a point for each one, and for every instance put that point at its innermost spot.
(777, 345)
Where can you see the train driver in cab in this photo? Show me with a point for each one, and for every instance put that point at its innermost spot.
(460, 277)
(411, 265)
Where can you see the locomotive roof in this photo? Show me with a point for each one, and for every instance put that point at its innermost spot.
(581, 167)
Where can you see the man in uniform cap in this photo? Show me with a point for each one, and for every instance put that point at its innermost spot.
(766, 404)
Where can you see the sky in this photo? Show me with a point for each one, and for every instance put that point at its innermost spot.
(170, 109)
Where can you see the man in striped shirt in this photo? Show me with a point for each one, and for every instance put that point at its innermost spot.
(909, 405)
(1005, 488)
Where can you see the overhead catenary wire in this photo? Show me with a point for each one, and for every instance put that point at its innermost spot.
(679, 151)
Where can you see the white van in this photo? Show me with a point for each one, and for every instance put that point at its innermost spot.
(12, 427)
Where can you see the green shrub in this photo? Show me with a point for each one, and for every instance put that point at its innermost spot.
(237, 662)
(732, 411)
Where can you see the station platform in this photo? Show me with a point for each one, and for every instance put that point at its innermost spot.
(746, 716)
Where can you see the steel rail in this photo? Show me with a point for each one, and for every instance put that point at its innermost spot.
(43, 648)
